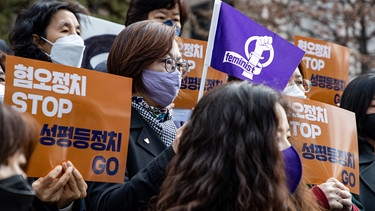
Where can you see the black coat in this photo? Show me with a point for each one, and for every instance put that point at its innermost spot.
(367, 178)
(146, 162)
(15, 194)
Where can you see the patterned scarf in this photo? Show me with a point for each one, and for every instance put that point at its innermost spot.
(159, 120)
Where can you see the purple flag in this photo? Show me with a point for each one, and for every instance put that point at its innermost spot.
(243, 48)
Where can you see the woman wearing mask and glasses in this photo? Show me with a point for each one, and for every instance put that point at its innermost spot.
(50, 31)
(297, 86)
(147, 52)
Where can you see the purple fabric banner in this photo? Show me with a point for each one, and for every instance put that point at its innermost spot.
(245, 49)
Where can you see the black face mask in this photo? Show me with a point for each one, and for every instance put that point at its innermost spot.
(15, 193)
(369, 126)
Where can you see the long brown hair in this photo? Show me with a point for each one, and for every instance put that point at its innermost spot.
(228, 157)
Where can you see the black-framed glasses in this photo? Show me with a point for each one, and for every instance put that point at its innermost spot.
(172, 65)
(305, 83)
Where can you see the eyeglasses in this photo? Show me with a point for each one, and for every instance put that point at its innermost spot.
(306, 84)
(171, 65)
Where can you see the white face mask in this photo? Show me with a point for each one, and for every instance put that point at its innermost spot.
(294, 91)
(67, 50)
(2, 92)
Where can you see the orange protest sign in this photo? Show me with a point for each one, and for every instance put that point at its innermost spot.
(101, 31)
(84, 116)
(326, 65)
(328, 148)
(194, 51)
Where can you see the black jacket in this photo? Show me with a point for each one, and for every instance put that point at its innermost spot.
(15, 194)
(367, 178)
(146, 162)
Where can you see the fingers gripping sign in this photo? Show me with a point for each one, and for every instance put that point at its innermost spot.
(61, 186)
(338, 195)
(74, 189)
(50, 188)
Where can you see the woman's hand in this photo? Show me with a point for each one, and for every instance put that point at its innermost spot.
(50, 188)
(74, 189)
(61, 186)
(338, 195)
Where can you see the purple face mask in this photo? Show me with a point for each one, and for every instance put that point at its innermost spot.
(162, 87)
(293, 167)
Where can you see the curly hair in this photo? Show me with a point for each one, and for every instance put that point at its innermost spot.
(228, 157)
(35, 20)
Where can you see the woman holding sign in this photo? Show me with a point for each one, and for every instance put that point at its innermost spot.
(50, 31)
(146, 51)
(359, 97)
(235, 155)
(332, 194)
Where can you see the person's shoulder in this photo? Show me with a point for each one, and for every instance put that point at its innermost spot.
(4, 47)
(101, 67)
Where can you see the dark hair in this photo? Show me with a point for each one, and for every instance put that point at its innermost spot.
(78, 7)
(96, 45)
(18, 132)
(228, 157)
(357, 97)
(138, 46)
(2, 60)
(139, 9)
(302, 69)
(233, 78)
(35, 20)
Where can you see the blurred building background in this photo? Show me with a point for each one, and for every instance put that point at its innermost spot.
(349, 23)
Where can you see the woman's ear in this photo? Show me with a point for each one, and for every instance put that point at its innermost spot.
(36, 40)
